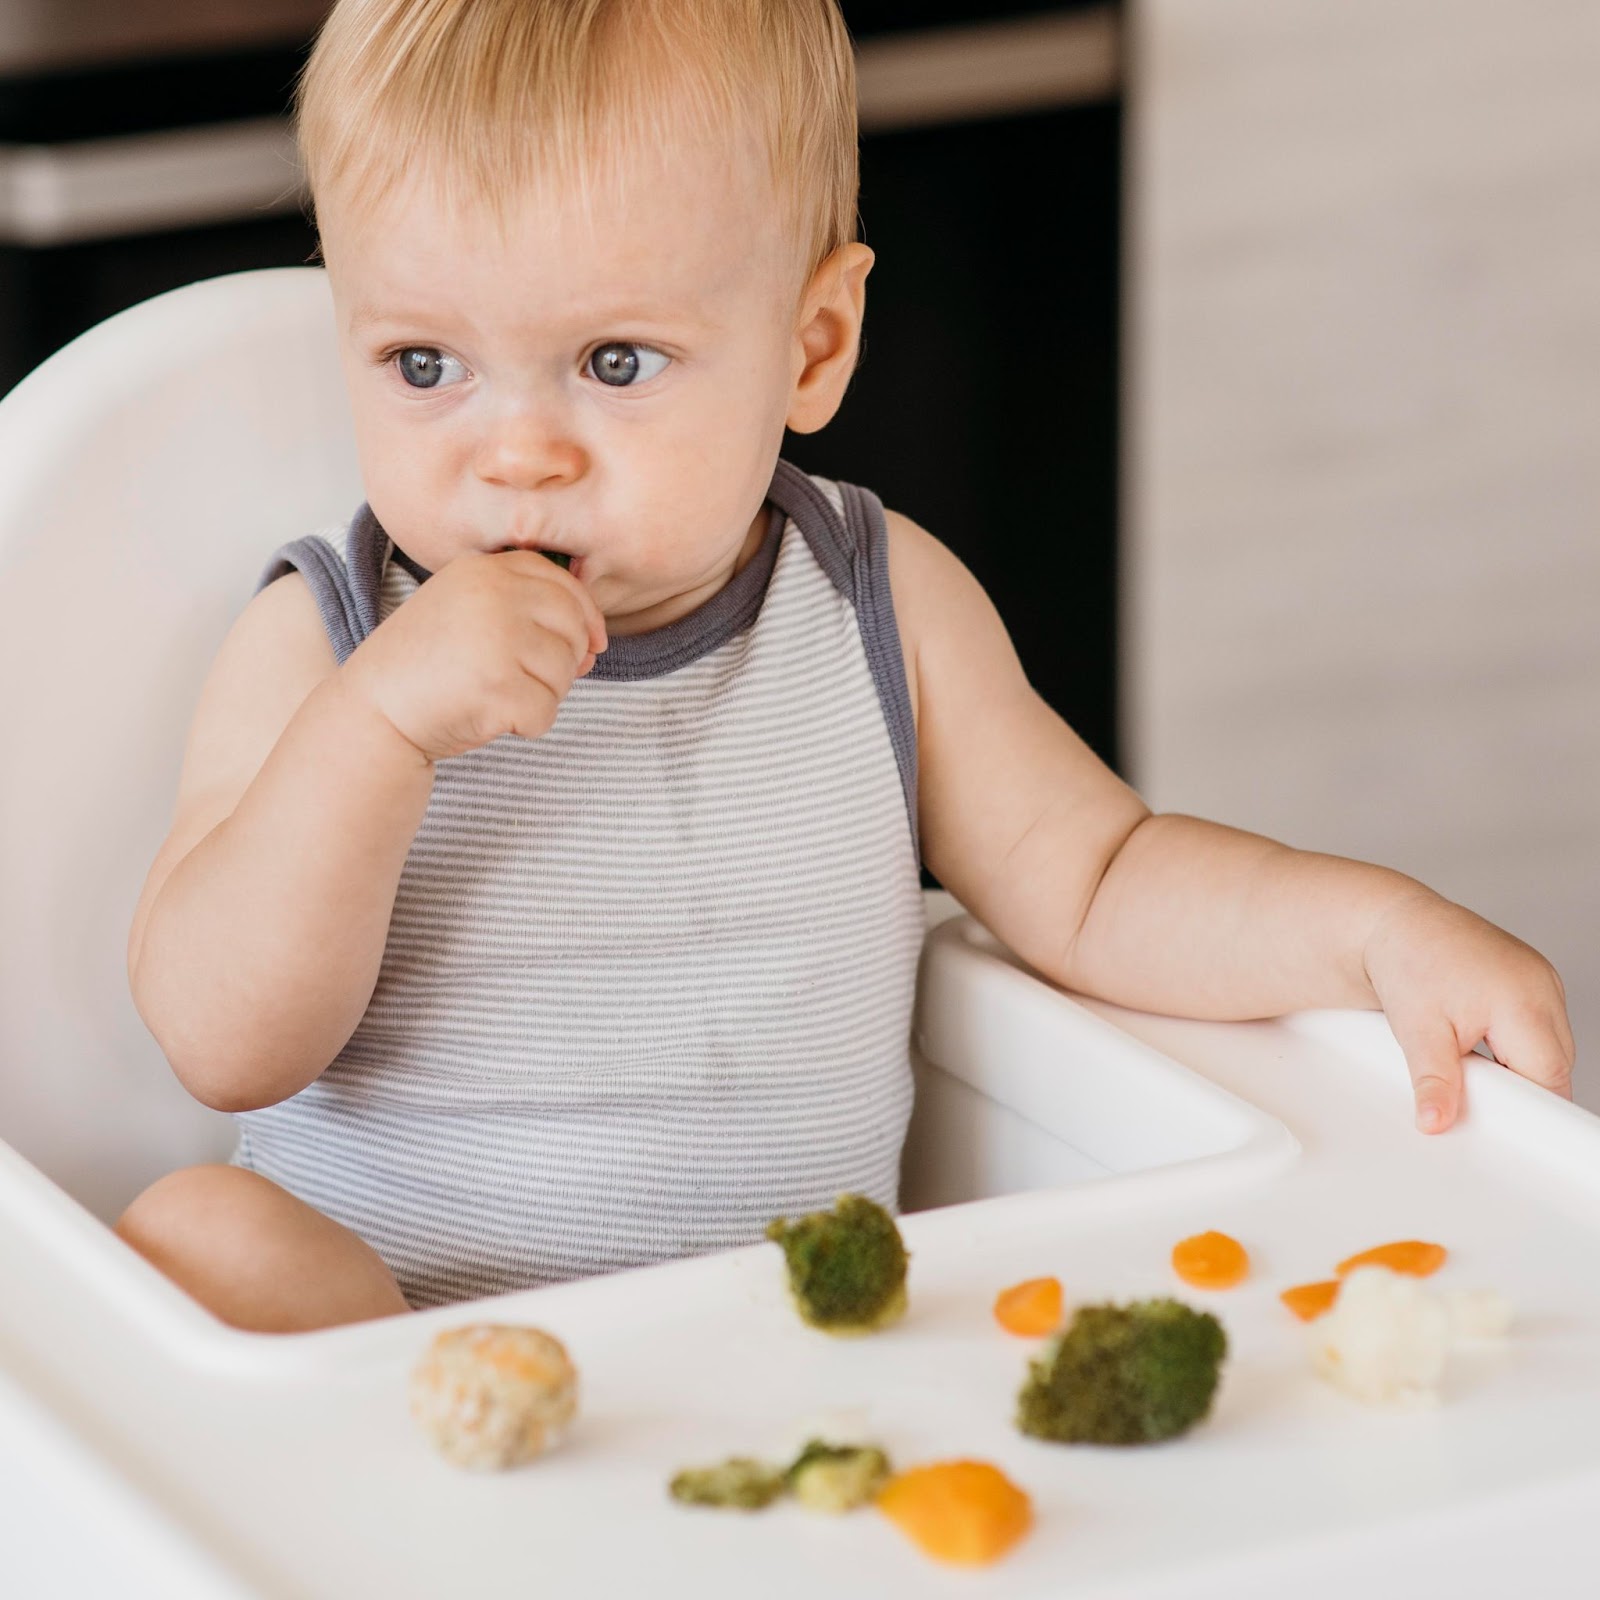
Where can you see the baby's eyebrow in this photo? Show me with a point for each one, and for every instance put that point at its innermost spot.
(676, 316)
(590, 318)
(364, 314)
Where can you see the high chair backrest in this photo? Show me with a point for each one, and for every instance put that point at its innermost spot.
(147, 471)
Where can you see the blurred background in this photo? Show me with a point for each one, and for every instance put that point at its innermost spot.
(1248, 353)
(1361, 543)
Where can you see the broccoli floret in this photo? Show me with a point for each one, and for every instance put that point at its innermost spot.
(739, 1483)
(837, 1477)
(847, 1267)
(1124, 1375)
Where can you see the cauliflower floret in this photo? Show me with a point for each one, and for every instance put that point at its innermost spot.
(1384, 1341)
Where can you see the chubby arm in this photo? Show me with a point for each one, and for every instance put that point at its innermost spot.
(256, 942)
(1048, 848)
(1031, 831)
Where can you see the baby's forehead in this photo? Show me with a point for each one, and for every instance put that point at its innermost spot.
(666, 240)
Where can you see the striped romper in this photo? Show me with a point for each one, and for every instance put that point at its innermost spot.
(648, 979)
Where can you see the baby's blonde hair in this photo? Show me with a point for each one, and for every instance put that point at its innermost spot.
(489, 97)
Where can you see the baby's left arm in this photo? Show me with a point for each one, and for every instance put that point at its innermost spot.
(1053, 852)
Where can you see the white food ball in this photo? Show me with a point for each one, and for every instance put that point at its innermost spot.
(1384, 1341)
(491, 1397)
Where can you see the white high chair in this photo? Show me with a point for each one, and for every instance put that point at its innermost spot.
(146, 472)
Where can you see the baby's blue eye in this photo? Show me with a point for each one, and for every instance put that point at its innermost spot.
(619, 365)
(423, 367)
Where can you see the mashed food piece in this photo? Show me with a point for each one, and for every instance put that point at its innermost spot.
(491, 1396)
(1384, 1341)
(966, 1513)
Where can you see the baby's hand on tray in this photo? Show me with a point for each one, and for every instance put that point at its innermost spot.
(1447, 980)
(489, 645)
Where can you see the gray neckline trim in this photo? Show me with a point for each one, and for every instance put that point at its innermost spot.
(653, 654)
(729, 611)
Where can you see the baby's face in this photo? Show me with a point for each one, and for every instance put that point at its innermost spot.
(616, 392)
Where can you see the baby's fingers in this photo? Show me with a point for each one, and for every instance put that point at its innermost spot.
(1536, 1047)
(1435, 1061)
(588, 618)
(594, 621)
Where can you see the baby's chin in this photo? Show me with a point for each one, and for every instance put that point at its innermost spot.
(643, 607)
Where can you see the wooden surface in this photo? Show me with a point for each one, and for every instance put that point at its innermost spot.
(1364, 442)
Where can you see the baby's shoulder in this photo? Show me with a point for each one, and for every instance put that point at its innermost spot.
(947, 623)
(281, 627)
(925, 576)
(275, 654)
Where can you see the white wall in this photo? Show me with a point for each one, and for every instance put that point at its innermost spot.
(1364, 443)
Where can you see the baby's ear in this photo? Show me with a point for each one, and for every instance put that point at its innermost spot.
(827, 336)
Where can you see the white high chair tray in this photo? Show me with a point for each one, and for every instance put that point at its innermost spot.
(145, 1449)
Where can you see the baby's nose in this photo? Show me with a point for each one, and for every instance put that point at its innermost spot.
(526, 451)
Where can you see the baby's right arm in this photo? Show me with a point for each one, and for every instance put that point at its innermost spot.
(257, 941)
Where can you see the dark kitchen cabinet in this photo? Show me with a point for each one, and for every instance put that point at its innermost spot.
(985, 404)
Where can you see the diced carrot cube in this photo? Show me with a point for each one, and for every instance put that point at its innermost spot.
(1210, 1261)
(1309, 1301)
(1030, 1309)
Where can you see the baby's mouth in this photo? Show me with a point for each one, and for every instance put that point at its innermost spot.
(562, 558)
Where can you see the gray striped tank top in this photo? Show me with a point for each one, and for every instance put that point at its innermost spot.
(648, 979)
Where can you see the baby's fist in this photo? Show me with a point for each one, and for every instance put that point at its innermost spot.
(488, 646)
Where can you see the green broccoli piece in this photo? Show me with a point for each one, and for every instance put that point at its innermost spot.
(837, 1477)
(738, 1483)
(1124, 1375)
(847, 1267)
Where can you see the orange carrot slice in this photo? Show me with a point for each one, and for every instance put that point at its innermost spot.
(967, 1513)
(1411, 1256)
(1030, 1309)
(1210, 1261)
(1308, 1301)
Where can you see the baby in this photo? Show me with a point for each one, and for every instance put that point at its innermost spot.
(540, 920)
